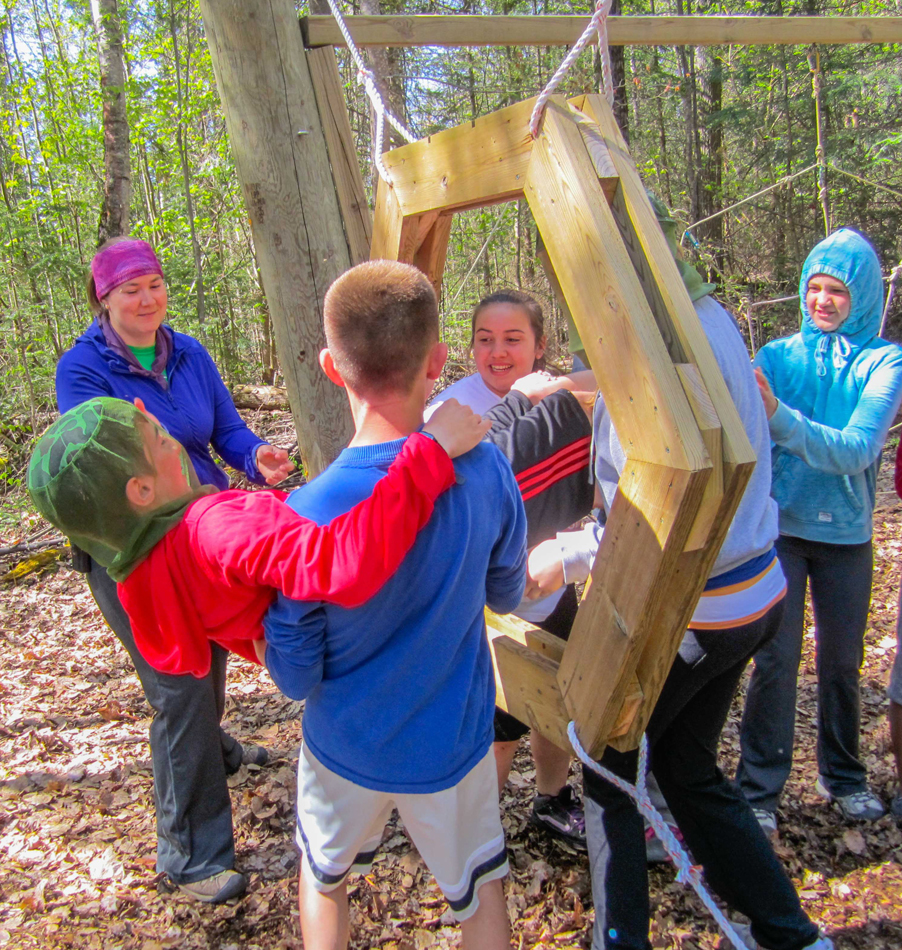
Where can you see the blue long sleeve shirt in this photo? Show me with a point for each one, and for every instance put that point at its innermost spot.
(400, 691)
(838, 393)
(195, 408)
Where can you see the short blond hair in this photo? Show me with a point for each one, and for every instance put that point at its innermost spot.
(381, 320)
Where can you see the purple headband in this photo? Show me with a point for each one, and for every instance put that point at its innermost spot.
(122, 261)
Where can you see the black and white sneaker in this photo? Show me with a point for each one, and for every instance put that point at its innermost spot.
(561, 815)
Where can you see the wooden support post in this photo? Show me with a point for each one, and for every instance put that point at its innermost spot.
(280, 154)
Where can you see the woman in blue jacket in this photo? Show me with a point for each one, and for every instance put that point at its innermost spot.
(128, 352)
(830, 393)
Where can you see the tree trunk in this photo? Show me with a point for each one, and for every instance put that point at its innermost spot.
(387, 66)
(618, 71)
(117, 190)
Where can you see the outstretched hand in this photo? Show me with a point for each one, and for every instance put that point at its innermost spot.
(545, 570)
(456, 428)
(273, 463)
(767, 394)
(536, 386)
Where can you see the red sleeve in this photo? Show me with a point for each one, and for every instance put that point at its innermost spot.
(346, 561)
(898, 473)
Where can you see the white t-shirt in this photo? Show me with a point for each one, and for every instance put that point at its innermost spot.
(472, 391)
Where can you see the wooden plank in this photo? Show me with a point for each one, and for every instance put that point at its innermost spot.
(616, 326)
(525, 633)
(431, 254)
(679, 321)
(712, 436)
(526, 686)
(264, 82)
(388, 224)
(679, 596)
(333, 111)
(646, 531)
(622, 30)
(472, 165)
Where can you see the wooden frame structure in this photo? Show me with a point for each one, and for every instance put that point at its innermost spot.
(688, 458)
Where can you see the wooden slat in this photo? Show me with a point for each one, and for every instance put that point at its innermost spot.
(646, 531)
(475, 164)
(526, 686)
(388, 224)
(433, 249)
(684, 326)
(333, 111)
(618, 331)
(525, 633)
(679, 596)
(622, 30)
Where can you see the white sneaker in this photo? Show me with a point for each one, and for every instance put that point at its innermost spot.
(767, 819)
(859, 806)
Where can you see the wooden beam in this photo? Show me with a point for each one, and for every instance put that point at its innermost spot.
(267, 96)
(469, 166)
(622, 30)
(616, 326)
(333, 111)
(646, 532)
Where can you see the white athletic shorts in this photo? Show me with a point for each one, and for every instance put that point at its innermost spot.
(457, 831)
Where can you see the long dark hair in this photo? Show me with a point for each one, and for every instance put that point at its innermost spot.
(529, 305)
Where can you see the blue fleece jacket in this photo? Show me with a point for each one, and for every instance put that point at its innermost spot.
(195, 407)
(400, 692)
(838, 393)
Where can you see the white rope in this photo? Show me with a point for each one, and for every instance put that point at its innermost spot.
(597, 25)
(366, 78)
(687, 873)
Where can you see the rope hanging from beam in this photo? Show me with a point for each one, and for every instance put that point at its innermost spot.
(367, 79)
(598, 25)
(687, 872)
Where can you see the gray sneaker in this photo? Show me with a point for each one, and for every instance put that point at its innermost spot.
(858, 806)
(767, 819)
(896, 805)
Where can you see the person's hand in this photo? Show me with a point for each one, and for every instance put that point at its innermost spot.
(536, 386)
(273, 463)
(139, 404)
(456, 428)
(544, 570)
(767, 394)
(260, 650)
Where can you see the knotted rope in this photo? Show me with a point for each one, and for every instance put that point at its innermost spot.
(687, 873)
(366, 78)
(597, 25)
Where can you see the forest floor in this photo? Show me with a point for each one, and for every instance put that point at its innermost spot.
(76, 813)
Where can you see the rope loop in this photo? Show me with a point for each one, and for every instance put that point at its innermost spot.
(598, 25)
(687, 873)
(367, 79)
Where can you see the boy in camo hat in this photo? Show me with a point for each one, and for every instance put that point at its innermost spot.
(194, 564)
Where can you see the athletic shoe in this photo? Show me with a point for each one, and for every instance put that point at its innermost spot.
(561, 815)
(896, 805)
(767, 819)
(859, 806)
(744, 932)
(214, 890)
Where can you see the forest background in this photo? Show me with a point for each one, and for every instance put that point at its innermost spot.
(707, 126)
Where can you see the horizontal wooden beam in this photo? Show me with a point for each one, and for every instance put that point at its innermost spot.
(622, 30)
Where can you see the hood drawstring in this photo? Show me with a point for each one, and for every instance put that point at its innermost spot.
(840, 349)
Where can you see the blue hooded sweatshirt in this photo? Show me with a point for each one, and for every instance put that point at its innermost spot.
(838, 394)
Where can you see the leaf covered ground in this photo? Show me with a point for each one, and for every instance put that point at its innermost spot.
(76, 815)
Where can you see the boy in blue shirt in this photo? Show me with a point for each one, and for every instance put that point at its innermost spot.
(400, 692)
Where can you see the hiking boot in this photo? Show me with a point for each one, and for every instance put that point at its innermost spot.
(216, 889)
(768, 821)
(744, 931)
(561, 815)
(858, 806)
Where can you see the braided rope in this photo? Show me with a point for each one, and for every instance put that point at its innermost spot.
(597, 25)
(367, 79)
(687, 873)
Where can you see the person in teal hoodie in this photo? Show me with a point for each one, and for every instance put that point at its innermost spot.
(830, 392)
